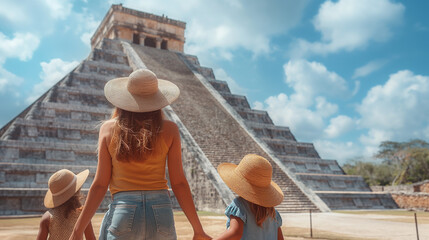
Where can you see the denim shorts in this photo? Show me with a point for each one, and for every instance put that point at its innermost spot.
(139, 215)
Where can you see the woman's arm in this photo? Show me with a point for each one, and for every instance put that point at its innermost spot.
(89, 232)
(280, 234)
(235, 230)
(44, 227)
(99, 185)
(180, 185)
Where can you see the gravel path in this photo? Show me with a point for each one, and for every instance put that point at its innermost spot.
(371, 226)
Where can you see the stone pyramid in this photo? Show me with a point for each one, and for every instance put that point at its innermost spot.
(60, 129)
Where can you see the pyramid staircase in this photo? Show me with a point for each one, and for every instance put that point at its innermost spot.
(60, 130)
(324, 177)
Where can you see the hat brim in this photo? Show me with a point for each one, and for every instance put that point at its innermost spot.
(117, 94)
(55, 201)
(269, 196)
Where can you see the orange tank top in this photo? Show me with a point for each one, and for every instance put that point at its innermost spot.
(148, 174)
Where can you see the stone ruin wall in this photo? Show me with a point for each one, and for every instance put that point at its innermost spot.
(410, 196)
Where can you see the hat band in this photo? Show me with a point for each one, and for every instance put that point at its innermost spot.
(66, 188)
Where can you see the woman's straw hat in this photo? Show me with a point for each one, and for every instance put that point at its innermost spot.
(142, 91)
(62, 186)
(251, 180)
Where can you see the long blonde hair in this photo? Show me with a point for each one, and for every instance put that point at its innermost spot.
(261, 213)
(135, 134)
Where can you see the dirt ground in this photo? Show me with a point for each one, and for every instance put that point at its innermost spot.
(357, 225)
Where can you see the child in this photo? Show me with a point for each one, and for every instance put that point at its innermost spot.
(63, 200)
(252, 214)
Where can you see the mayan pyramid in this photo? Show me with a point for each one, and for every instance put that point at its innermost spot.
(60, 129)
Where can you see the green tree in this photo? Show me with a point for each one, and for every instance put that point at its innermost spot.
(408, 161)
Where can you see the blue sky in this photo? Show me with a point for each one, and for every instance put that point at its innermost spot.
(344, 75)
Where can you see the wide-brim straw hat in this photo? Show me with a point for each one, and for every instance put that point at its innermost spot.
(62, 186)
(141, 91)
(251, 180)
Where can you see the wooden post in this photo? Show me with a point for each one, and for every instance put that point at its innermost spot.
(311, 226)
(417, 228)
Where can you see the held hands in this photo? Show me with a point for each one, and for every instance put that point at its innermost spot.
(201, 236)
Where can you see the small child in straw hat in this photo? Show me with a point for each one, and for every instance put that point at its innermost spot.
(64, 202)
(252, 214)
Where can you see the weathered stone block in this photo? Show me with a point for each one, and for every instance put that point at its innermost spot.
(9, 153)
(2, 177)
(32, 204)
(32, 132)
(69, 134)
(57, 155)
(42, 177)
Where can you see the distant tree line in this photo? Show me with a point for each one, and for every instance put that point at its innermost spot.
(401, 163)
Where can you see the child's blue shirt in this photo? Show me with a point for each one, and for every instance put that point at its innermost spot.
(240, 208)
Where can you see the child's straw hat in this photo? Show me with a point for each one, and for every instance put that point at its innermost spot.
(62, 186)
(142, 91)
(251, 180)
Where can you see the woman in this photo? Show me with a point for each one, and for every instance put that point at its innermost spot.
(132, 151)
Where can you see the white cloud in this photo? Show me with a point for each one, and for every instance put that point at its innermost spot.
(396, 111)
(232, 84)
(340, 151)
(84, 24)
(21, 46)
(59, 9)
(338, 126)
(8, 81)
(369, 68)
(36, 16)
(312, 78)
(51, 73)
(349, 25)
(215, 28)
(307, 109)
(306, 123)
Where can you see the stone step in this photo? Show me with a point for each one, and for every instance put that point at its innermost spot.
(263, 130)
(108, 55)
(54, 152)
(28, 201)
(255, 116)
(105, 68)
(62, 111)
(21, 175)
(337, 200)
(301, 164)
(88, 80)
(50, 131)
(206, 72)
(236, 101)
(334, 182)
(221, 86)
(111, 44)
(81, 96)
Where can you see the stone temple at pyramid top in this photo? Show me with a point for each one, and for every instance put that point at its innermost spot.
(140, 28)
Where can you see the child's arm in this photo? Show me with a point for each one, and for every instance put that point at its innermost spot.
(235, 230)
(89, 232)
(280, 234)
(179, 184)
(44, 226)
